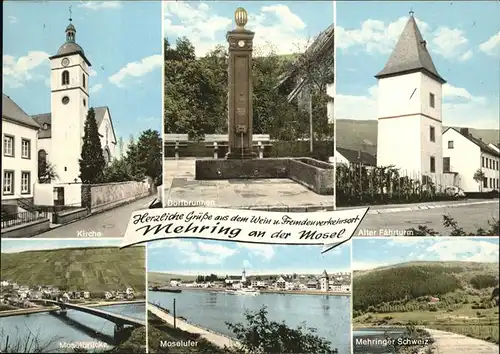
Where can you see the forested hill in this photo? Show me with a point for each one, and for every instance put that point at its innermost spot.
(418, 281)
(93, 269)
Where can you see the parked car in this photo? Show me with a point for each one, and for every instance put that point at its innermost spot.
(454, 191)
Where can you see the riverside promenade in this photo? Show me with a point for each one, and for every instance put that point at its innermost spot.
(451, 343)
(214, 338)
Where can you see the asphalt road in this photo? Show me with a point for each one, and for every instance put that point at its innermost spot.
(470, 218)
(111, 223)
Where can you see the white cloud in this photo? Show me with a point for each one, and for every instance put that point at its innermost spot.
(451, 44)
(275, 26)
(197, 252)
(464, 250)
(460, 108)
(491, 46)
(101, 5)
(92, 72)
(263, 251)
(378, 37)
(433, 249)
(18, 71)
(12, 19)
(137, 69)
(96, 88)
(247, 264)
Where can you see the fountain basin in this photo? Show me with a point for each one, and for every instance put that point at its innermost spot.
(316, 175)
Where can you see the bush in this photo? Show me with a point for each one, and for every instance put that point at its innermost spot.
(493, 229)
(259, 335)
(482, 281)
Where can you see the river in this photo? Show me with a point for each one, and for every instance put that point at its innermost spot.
(56, 333)
(329, 315)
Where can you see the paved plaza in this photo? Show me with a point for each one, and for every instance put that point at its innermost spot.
(277, 194)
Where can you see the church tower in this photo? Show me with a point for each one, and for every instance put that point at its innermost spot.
(409, 108)
(69, 83)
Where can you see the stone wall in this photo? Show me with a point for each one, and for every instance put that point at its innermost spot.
(96, 196)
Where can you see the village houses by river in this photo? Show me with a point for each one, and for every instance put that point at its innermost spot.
(14, 295)
(339, 282)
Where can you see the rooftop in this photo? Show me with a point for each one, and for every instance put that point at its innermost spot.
(410, 55)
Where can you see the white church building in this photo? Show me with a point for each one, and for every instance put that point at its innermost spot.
(56, 137)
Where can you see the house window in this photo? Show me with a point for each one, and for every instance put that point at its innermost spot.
(65, 77)
(446, 164)
(485, 182)
(433, 164)
(491, 182)
(432, 100)
(432, 134)
(83, 80)
(25, 182)
(450, 144)
(8, 145)
(84, 103)
(42, 157)
(482, 161)
(8, 182)
(26, 149)
(497, 184)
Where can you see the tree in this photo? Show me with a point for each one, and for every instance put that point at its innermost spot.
(149, 155)
(92, 160)
(117, 171)
(479, 178)
(46, 171)
(259, 335)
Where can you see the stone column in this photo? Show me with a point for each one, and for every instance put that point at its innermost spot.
(240, 89)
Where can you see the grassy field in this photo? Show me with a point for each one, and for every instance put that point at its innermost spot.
(351, 134)
(464, 307)
(93, 269)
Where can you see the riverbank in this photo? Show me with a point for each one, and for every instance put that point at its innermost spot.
(32, 310)
(283, 292)
(217, 339)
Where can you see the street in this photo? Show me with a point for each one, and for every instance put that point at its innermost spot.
(111, 223)
(469, 217)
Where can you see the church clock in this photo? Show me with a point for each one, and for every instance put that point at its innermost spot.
(65, 62)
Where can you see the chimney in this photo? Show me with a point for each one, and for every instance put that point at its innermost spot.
(464, 131)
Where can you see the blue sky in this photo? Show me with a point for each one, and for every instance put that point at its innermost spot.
(206, 257)
(122, 40)
(369, 253)
(287, 26)
(464, 41)
(13, 246)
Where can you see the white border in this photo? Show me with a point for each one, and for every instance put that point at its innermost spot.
(335, 105)
(162, 193)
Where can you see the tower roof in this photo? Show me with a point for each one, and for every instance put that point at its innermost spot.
(410, 55)
(70, 46)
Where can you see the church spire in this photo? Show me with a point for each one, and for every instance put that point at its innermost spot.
(410, 54)
(70, 30)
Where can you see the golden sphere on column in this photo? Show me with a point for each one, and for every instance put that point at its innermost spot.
(240, 17)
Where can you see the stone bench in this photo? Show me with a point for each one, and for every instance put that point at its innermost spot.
(176, 141)
(216, 141)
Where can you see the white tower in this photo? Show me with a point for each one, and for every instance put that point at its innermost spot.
(409, 108)
(243, 276)
(69, 106)
(324, 281)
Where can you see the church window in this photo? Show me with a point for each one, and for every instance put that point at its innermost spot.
(42, 157)
(8, 145)
(65, 100)
(65, 77)
(25, 182)
(84, 103)
(83, 80)
(107, 135)
(433, 164)
(8, 182)
(25, 149)
(432, 100)
(432, 134)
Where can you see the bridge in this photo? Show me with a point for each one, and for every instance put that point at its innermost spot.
(120, 321)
